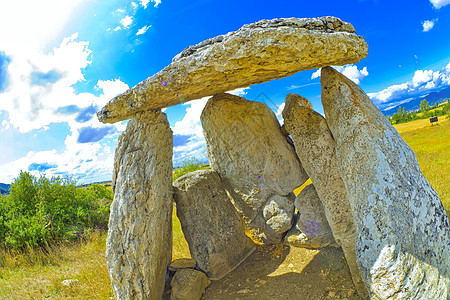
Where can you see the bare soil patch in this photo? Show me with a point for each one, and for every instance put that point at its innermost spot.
(283, 272)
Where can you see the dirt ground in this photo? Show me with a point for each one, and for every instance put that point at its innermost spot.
(283, 272)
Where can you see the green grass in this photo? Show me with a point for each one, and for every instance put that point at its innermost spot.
(432, 147)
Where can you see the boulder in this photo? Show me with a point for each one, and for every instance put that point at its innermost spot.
(188, 284)
(212, 227)
(256, 53)
(139, 243)
(316, 149)
(257, 164)
(402, 230)
(182, 263)
(312, 229)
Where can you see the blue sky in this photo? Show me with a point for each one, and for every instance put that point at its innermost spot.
(60, 61)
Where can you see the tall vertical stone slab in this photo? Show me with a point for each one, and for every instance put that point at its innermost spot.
(246, 147)
(315, 148)
(402, 230)
(212, 227)
(139, 243)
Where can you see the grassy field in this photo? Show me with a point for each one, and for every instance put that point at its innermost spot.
(39, 275)
(432, 147)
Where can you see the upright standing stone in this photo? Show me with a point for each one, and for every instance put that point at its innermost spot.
(212, 227)
(315, 147)
(312, 229)
(246, 147)
(139, 244)
(402, 230)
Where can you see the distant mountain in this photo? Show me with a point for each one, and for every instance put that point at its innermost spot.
(414, 104)
(4, 188)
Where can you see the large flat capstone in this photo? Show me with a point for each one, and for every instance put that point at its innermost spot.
(256, 53)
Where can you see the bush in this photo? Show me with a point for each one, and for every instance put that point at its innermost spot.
(42, 211)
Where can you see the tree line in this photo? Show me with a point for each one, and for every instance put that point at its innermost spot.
(424, 112)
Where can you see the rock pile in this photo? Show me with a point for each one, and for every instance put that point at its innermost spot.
(368, 195)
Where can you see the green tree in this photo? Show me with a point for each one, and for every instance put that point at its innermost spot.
(424, 106)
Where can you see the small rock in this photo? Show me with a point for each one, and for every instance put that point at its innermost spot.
(331, 294)
(69, 282)
(312, 229)
(182, 263)
(188, 284)
(244, 291)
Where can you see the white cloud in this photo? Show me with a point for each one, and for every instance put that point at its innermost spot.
(350, 71)
(144, 3)
(439, 3)
(191, 126)
(316, 74)
(143, 30)
(423, 81)
(47, 19)
(120, 10)
(428, 25)
(31, 104)
(279, 111)
(126, 21)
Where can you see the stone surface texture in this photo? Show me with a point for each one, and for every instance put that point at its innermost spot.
(212, 227)
(256, 53)
(182, 263)
(257, 164)
(188, 284)
(402, 230)
(139, 243)
(316, 150)
(312, 229)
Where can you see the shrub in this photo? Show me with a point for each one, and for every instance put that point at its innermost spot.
(42, 211)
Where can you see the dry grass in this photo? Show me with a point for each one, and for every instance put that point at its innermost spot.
(39, 275)
(180, 246)
(432, 147)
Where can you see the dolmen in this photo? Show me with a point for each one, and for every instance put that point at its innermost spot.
(368, 195)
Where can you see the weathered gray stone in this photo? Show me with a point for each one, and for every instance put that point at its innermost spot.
(402, 230)
(312, 229)
(188, 284)
(182, 263)
(246, 147)
(212, 227)
(256, 53)
(315, 148)
(139, 244)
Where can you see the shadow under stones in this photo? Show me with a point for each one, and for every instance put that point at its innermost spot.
(296, 273)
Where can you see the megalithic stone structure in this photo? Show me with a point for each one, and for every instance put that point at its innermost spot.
(139, 243)
(316, 150)
(402, 229)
